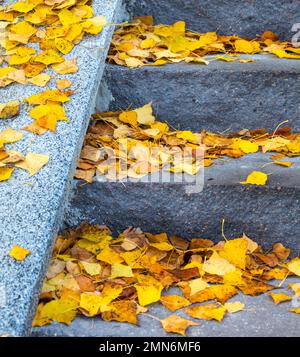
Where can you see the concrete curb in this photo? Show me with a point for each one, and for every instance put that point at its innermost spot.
(32, 208)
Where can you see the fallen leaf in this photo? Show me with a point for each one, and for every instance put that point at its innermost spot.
(19, 253)
(174, 302)
(279, 297)
(206, 312)
(233, 307)
(10, 109)
(256, 178)
(33, 163)
(177, 324)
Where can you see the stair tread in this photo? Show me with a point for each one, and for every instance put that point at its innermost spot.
(262, 318)
(263, 62)
(216, 97)
(228, 171)
(247, 18)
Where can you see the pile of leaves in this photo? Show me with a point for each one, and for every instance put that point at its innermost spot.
(141, 43)
(92, 274)
(34, 37)
(133, 144)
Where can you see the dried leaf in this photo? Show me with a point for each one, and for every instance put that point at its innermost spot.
(19, 253)
(177, 324)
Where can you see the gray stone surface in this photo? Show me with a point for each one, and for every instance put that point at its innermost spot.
(245, 18)
(32, 207)
(221, 96)
(261, 318)
(267, 214)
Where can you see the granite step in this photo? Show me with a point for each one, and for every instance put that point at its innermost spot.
(268, 214)
(32, 208)
(245, 18)
(261, 318)
(220, 96)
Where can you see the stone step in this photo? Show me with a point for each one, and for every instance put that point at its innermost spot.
(245, 18)
(220, 96)
(32, 208)
(267, 214)
(261, 319)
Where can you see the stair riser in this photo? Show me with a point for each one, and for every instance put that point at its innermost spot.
(267, 215)
(245, 18)
(217, 97)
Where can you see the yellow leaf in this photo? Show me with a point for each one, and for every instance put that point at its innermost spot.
(294, 266)
(295, 310)
(91, 268)
(233, 307)
(148, 294)
(120, 271)
(174, 302)
(51, 112)
(283, 163)
(226, 59)
(10, 136)
(18, 252)
(222, 292)
(147, 43)
(144, 115)
(235, 251)
(63, 45)
(93, 303)
(23, 7)
(283, 54)
(186, 135)
(40, 80)
(206, 312)
(217, 265)
(129, 118)
(5, 173)
(177, 324)
(66, 67)
(53, 95)
(48, 57)
(164, 246)
(95, 25)
(63, 310)
(63, 84)
(256, 178)
(247, 146)
(67, 18)
(296, 288)
(233, 278)
(109, 256)
(279, 297)
(244, 46)
(197, 285)
(132, 258)
(122, 311)
(96, 234)
(133, 62)
(10, 109)
(33, 162)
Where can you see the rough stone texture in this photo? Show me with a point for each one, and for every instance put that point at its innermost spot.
(220, 96)
(261, 319)
(268, 214)
(32, 207)
(245, 18)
